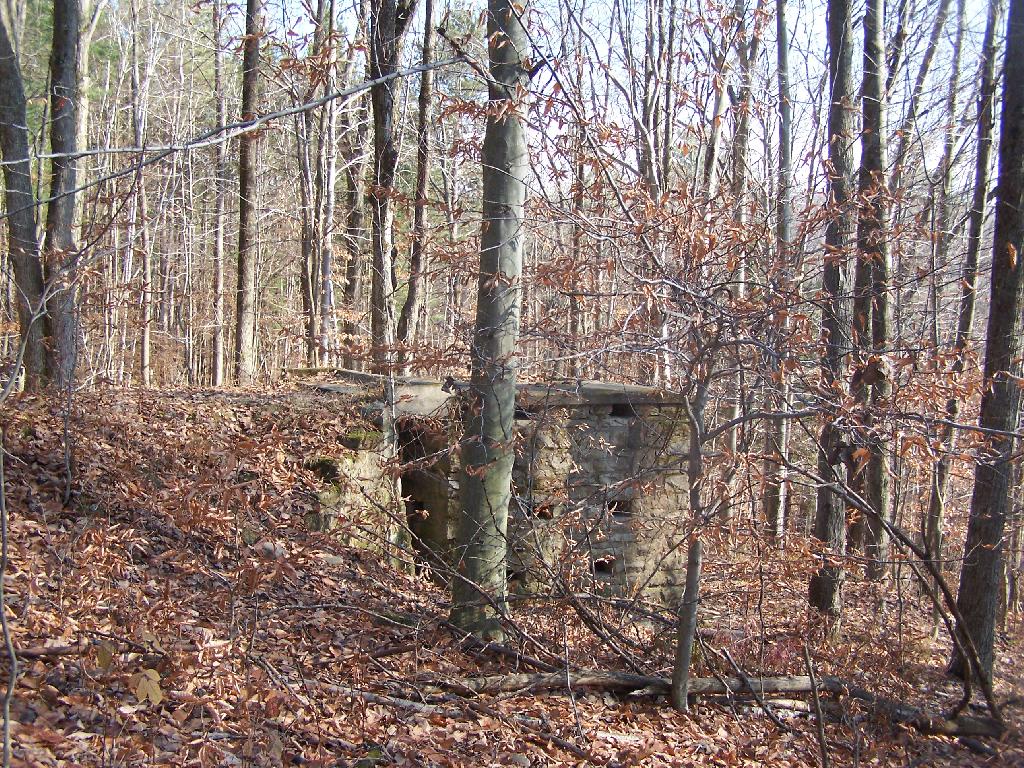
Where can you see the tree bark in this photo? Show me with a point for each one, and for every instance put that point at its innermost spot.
(487, 446)
(830, 511)
(407, 321)
(774, 497)
(388, 22)
(982, 572)
(22, 235)
(219, 200)
(326, 178)
(687, 627)
(60, 253)
(872, 236)
(245, 293)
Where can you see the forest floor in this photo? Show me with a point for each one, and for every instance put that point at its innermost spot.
(170, 607)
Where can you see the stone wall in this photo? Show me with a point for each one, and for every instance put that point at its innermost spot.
(600, 499)
(356, 488)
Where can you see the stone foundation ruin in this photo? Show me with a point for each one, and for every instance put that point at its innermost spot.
(599, 490)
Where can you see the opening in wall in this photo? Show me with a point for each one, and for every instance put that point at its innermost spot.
(623, 410)
(620, 508)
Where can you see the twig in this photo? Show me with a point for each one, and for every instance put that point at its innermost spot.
(822, 743)
(39, 652)
(468, 641)
(462, 705)
(757, 696)
(12, 656)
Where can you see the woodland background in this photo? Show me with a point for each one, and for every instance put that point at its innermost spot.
(786, 212)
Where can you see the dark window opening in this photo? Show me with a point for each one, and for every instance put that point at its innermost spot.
(620, 508)
(623, 410)
(604, 565)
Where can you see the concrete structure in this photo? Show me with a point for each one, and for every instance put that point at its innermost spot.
(600, 495)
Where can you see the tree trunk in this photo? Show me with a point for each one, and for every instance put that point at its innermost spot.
(355, 266)
(982, 572)
(245, 295)
(687, 627)
(22, 236)
(747, 52)
(219, 200)
(418, 262)
(872, 236)
(326, 177)
(969, 275)
(307, 248)
(388, 22)
(830, 511)
(774, 499)
(60, 253)
(487, 446)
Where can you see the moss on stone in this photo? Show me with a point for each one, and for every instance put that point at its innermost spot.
(361, 439)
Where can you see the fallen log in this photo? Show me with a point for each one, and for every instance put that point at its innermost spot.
(915, 717)
(628, 683)
(621, 682)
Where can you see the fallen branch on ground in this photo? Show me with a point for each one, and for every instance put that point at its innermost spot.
(531, 724)
(626, 683)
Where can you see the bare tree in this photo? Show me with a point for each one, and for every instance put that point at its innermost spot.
(830, 510)
(487, 451)
(934, 517)
(60, 253)
(20, 208)
(245, 310)
(413, 307)
(982, 574)
(874, 257)
(776, 448)
(388, 22)
(219, 199)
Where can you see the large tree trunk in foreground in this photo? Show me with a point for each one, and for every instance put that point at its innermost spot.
(20, 208)
(981, 577)
(830, 510)
(487, 446)
(60, 253)
(245, 293)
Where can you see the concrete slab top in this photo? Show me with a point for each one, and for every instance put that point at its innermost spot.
(427, 397)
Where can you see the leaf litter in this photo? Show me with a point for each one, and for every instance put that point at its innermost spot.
(173, 608)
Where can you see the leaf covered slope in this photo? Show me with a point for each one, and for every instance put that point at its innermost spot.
(176, 610)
